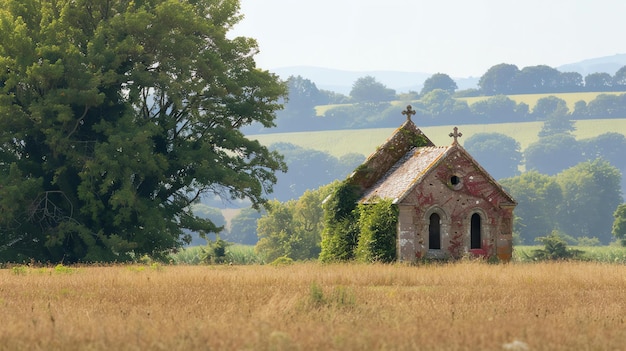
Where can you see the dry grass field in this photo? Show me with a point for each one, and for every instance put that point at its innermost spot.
(461, 306)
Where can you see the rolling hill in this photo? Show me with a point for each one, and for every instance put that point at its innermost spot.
(365, 141)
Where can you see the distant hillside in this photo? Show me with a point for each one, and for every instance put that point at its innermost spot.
(606, 64)
(341, 81)
(365, 141)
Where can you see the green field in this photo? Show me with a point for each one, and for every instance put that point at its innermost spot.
(604, 254)
(365, 141)
(243, 254)
(531, 99)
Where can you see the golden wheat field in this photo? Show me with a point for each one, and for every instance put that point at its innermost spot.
(309, 306)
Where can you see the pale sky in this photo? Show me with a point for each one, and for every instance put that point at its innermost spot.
(461, 38)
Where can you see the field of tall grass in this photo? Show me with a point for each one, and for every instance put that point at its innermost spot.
(365, 141)
(468, 305)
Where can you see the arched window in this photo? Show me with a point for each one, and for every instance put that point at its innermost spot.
(475, 232)
(434, 232)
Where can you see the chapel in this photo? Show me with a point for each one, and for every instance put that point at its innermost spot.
(448, 204)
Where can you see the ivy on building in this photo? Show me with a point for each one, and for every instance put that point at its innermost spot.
(366, 232)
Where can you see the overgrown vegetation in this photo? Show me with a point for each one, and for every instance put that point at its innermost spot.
(378, 231)
(366, 232)
(215, 251)
(555, 248)
(341, 231)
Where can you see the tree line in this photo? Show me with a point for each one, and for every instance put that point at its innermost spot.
(439, 103)
(508, 79)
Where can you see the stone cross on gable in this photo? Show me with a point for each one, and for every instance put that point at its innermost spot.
(456, 135)
(408, 112)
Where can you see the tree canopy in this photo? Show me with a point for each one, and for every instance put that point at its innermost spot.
(498, 79)
(439, 81)
(553, 153)
(116, 116)
(309, 169)
(368, 89)
(293, 228)
(591, 193)
(538, 197)
(498, 153)
(243, 226)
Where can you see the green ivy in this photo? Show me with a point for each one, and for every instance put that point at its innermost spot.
(415, 139)
(366, 232)
(340, 235)
(363, 232)
(377, 238)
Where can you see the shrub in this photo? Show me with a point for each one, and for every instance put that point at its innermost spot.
(282, 261)
(215, 251)
(587, 241)
(555, 248)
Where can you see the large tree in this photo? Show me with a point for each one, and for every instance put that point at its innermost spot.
(499, 79)
(293, 228)
(309, 169)
(553, 153)
(243, 226)
(571, 82)
(538, 197)
(599, 81)
(368, 89)
(537, 79)
(299, 113)
(619, 79)
(591, 193)
(116, 116)
(439, 81)
(498, 153)
(555, 114)
(498, 108)
(609, 146)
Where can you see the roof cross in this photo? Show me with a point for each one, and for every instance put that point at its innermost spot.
(456, 135)
(408, 112)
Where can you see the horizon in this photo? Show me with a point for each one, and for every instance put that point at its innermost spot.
(620, 55)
